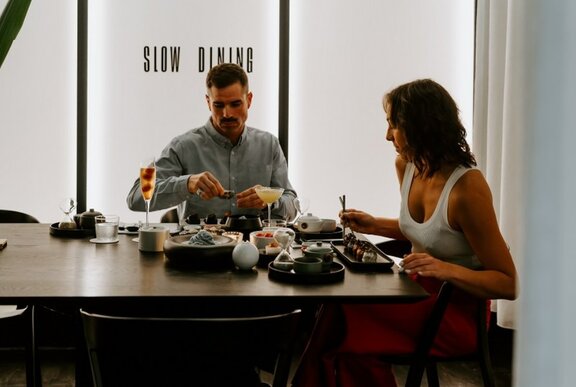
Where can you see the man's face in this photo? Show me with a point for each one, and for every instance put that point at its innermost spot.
(229, 107)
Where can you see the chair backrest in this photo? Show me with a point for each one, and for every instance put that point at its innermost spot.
(182, 350)
(9, 216)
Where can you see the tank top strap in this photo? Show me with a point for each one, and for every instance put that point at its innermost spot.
(452, 180)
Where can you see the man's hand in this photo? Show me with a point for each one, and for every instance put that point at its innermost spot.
(205, 185)
(249, 199)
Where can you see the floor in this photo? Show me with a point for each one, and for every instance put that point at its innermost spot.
(58, 366)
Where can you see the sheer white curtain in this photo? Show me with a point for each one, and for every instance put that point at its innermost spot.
(498, 128)
(525, 137)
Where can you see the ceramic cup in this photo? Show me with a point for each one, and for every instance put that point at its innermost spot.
(328, 225)
(307, 265)
(151, 239)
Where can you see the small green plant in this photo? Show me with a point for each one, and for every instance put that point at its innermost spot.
(11, 21)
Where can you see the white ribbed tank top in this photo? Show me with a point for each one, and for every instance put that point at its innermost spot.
(435, 236)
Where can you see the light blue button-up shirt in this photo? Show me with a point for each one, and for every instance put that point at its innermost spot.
(256, 159)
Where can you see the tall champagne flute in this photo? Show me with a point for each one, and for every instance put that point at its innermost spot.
(269, 195)
(147, 182)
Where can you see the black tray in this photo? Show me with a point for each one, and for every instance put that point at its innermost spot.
(306, 236)
(383, 262)
(336, 274)
(71, 232)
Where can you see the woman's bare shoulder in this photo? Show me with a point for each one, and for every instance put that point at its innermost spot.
(400, 164)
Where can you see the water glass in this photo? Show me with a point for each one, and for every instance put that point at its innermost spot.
(107, 228)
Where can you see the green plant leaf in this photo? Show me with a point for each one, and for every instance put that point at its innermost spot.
(10, 23)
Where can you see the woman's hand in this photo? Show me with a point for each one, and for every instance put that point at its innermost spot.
(426, 265)
(359, 221)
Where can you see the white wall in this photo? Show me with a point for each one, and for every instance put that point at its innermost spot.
(344, 57)
(38, 112)
(342, 63)
(134, 113)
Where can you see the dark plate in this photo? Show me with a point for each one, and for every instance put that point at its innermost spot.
(336, 274)
(70, 233)
(305, 236)
(215, 257)
(383, 262)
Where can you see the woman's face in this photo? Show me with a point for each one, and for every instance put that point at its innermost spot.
(396, 136)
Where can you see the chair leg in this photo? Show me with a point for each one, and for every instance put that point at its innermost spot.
(415, 374)
(33, 370)
(486, 363)
(432, 375)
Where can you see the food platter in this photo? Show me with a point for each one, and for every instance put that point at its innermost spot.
(179, 252)
(382, 262)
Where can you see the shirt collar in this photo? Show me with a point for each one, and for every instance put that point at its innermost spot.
(220, 139)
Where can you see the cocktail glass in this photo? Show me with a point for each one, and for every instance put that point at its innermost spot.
(147, 182)
(269, 195)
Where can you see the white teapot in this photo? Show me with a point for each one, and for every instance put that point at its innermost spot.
(308, 223)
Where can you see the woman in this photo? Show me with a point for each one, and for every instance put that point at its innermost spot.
(447, 214)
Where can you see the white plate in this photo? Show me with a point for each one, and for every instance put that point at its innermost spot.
(97, 241)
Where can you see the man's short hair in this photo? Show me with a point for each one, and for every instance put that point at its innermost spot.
(226, 74)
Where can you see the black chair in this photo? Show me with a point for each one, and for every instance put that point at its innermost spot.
(421, 360)
(9, 216)
(154, 351)
(20, 321)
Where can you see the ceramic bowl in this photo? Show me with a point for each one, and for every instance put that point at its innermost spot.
(261, 238)
(243, 223)
(307, 265)
(328, 225)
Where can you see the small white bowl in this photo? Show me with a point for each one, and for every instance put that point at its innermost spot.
(261, 238)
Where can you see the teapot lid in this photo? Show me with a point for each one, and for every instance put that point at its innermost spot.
(308, 217)
(319, 247)
(90, 213)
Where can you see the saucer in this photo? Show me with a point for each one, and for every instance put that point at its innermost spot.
(96, 240)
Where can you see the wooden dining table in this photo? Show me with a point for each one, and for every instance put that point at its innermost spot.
(37, 267)
(40, 269)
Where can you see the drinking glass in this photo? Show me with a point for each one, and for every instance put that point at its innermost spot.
(269, 195)
(107, 228)
(147, 182)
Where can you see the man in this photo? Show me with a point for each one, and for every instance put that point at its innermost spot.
(196, 168)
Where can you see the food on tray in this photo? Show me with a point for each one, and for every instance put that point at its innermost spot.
(202, 238)
(264, 234)
(273, 248)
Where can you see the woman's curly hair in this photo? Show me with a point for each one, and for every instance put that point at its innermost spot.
(429, 118)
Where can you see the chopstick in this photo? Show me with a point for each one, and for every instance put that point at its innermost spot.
(343, 203)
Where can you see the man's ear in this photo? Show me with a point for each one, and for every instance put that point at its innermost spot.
(249, 99)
